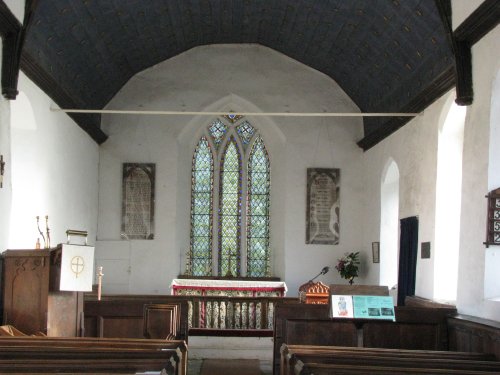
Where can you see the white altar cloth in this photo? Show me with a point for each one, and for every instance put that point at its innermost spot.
(203, 286)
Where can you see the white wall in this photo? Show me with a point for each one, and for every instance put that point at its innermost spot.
(414, 149)
(254, 79)
(55, 170)
(485, 65)
(6, 191)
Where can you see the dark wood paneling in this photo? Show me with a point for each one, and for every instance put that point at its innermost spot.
(472, 334)
(50, 355)
(123, 316)
(296, 323)
(31, 303)
(415, 328)
(26, 290)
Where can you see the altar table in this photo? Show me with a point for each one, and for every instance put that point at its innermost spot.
(235, 288)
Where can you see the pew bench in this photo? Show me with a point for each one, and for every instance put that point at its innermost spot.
(298, 359)
(334, 369)
(91, 355)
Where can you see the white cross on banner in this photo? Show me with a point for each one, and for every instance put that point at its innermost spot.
(77, 265)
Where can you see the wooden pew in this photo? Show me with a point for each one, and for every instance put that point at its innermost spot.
(66, 355)
(359, 369)
(312, 353)
(297, 358)
(416, 328)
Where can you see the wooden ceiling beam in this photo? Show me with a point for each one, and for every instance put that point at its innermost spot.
(10, 31)
(484, 19)
(90, 123)
(438, 87)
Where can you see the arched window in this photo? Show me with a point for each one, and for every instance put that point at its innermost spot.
(230, 166)
(448, 198)
(389, 225)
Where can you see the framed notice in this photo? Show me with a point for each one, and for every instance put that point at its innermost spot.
(373, 307)
(138, 201)
(323, 206)
(376, 252)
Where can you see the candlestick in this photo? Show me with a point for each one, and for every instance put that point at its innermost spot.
(47, 245)
(40, 231)
(99, 283)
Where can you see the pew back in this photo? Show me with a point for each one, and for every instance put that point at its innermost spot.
(417, 328)
(291, 355)
(70, 355)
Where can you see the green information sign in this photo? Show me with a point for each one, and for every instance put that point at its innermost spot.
(373, 307)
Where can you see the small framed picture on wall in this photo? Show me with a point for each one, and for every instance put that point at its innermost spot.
(376, 252)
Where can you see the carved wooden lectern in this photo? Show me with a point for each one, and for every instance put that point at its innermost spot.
(314, 293)
(32, 300)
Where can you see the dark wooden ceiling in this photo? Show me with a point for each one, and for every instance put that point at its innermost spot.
(387, 55)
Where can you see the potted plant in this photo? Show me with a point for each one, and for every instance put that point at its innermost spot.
(348, 266)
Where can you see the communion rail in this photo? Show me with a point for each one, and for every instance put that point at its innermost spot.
(233, 313)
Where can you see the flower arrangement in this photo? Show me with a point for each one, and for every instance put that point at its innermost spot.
(348, 266)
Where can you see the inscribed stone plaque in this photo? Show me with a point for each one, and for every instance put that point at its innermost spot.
(323, 206)
(138, 201)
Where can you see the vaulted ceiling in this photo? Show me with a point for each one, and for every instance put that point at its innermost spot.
(387, 55)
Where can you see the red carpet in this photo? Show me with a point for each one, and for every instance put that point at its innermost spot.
(230, 366)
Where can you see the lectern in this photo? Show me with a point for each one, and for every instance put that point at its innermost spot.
(32, 299)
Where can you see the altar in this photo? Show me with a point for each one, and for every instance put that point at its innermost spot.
(227, 287)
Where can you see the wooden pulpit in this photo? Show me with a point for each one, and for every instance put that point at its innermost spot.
(32, 300)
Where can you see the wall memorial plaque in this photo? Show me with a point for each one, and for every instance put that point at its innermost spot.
(138, 201)
(323, 206)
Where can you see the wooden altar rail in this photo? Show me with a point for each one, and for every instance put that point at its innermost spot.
(124, 315)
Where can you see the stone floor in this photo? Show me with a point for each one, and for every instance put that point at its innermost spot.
(194, 366)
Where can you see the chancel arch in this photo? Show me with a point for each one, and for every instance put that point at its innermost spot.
(448, 198)
(389, 224)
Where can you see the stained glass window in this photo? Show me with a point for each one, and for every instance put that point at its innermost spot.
(217, 130)
(201, 209)
(232, 117)
(246, 132)
(258, 210)
(230, 210)
(228, 143)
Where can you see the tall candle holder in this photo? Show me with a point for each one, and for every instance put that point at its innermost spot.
(41, 233)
